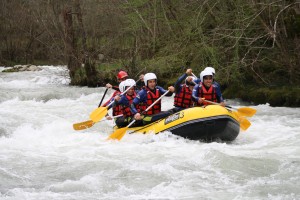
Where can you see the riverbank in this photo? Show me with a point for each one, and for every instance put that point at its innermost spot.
(279, 96)
(276, 96)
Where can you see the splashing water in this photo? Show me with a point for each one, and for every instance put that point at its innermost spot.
(42, 157)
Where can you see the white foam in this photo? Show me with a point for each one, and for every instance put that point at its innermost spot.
(42, 157)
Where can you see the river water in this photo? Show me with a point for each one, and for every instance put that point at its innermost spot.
(42, 157)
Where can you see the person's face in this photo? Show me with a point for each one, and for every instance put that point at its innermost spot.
(130, 92)
(122, 79)
(151, 84)
(207, 80)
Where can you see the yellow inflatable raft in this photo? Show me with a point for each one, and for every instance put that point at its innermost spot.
(211, 123)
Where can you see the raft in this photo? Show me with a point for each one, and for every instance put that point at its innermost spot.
(212, 123)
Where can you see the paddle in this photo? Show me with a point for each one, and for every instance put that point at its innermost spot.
(244, 123)
(88, 124)
(103, 97)
(244, 111)
(194, 75)
(100, 112)
(119, 133)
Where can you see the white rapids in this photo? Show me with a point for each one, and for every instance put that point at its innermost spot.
(42, 157)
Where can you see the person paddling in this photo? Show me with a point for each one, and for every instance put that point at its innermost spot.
(121, 76)
(183, 92)
(213, 71)
(207, 90)
(146, 97)
(124, 102)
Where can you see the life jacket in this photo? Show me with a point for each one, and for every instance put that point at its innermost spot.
(151, 98)
(116, 110)
(183, 98)
(126, 109)
(209, 94)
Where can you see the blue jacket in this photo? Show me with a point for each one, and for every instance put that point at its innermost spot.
(178, 84)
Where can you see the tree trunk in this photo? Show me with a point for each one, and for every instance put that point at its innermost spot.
(71, 48)
(87, 60)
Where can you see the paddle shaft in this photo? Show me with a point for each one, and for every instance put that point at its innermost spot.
(219, 104)
(194, 75)
(89, 123)
(102, 97)
(120, 95)
(150, 106)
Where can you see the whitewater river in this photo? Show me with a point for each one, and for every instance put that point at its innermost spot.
(42, 157)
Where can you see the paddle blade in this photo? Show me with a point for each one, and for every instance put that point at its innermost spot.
(246, 111)
(98, 114)
(83, 125)
(118, 134)
(244, 124)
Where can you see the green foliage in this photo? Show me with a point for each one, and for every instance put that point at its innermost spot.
(79, 77)
(275, 96)
(248, 43)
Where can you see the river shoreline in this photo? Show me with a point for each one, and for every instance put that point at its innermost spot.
(284, 96)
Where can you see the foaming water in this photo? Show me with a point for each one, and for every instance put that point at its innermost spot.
(42, 157)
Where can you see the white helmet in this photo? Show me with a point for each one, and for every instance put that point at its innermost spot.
(191, 82)
(121, 86)
(205, 73)
(127, 83)
(149, 76)
(210, 69)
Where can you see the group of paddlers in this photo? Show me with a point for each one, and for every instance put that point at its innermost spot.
(144, 105)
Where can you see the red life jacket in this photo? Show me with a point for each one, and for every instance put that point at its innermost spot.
(183, 98)
(151, 98)
(125, 109)
(116, 110)
(209, 94)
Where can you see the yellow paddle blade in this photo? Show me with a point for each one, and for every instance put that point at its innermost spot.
(98, 114)
(118, 134)
(83, 125)
(246, 111)
(244, 124)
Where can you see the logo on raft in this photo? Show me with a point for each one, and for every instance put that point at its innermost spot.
(174, 117)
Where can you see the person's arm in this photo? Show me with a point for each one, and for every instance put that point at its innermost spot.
(140, 83)
(195, 93)
(116, 88)
(115, 103)
(162, 90)
(108, 85)
(197, 81)
(119, 100)
(219, 94)
(217, 84)
(177, 84)
(136, 101)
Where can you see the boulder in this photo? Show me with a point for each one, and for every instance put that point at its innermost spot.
(21, 68)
